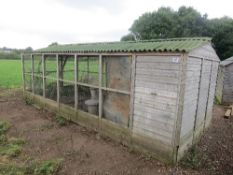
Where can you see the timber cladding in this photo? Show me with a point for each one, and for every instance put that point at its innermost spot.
(153, 96)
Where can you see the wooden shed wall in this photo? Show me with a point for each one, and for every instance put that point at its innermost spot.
(200, 83)
(219, 86)
(214, 73)
(193, 71)
(227, 96)
(156, 98)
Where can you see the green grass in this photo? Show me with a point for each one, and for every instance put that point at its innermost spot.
(10, 148)
(10, 73)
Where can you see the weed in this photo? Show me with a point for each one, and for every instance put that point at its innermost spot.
(8, 147)
(27, 100)
(61, 121)
(4, 126)
(217, 100)
(11, 150)
(47, 167)
(194, 159)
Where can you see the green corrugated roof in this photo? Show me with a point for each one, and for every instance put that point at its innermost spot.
(159, 45)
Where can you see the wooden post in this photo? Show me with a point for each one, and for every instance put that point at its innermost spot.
(43, 73)
(207, 101)
(58, 81)
(100, 85)
(33, 88)
(23, 71)
(88, 69)
(76, 80)
(133, 70)
(198, 98)
(180, 105)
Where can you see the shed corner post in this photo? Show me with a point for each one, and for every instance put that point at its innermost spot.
(58, 79)
(100, 87)
(180, 106)
(43, 73)
(132, 89)
(75, 83)
(33, 87)
(23, 71)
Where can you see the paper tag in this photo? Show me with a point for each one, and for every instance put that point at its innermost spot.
(175, 60)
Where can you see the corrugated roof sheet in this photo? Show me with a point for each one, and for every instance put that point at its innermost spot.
(159, 45)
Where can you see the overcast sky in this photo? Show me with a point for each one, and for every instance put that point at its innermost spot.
(37, 23)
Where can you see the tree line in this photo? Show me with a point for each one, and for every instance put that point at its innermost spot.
(13, 54)
(185, 22)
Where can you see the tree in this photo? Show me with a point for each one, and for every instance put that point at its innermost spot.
(53, 44)
(158, 24)
(186, 22)
(129, 37)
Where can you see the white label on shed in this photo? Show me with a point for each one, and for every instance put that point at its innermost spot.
(175, 60)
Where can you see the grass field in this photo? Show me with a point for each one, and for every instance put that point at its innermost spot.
(10, 73)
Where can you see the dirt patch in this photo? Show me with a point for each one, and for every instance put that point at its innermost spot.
(84, 152)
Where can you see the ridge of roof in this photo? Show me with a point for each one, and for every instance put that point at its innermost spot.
(155, 45)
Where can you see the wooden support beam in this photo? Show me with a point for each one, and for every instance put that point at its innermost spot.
(100, 90)
(76, 80)
(43, 73)
(58, 78)
(180, 105)
(198, 98)
(207, 101)
(132, 79)
(23, 71)
(33, 88)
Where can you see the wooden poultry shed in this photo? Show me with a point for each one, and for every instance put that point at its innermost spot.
(224, 91)
(154, 96)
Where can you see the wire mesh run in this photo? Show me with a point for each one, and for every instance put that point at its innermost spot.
(67, 93)
(38, 85)
(28, 83)
(116, 72)
(27, 63)
(116, 107)
(88, 70)
(51, 66)
(51, 89)
(37, 65)
(88, 99)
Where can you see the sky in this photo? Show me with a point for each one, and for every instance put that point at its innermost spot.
(38, 23)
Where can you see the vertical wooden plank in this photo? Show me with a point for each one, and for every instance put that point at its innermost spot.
(133, 68)
(100, 85)
(33, 88)
(207, 101)
(198, 98)
(23, 71)
(58, 77)
(180, 105)
(43, 73)
(76, 80)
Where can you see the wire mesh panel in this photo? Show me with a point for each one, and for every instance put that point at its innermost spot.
(88, 69)
(116, 72)
(51, 66)
(67, 67)
(27, 63)
(38, 85)
(116, 107)
(67, 93)
(37, 64)
(51, 89)
(88, 99)
(28, 83)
